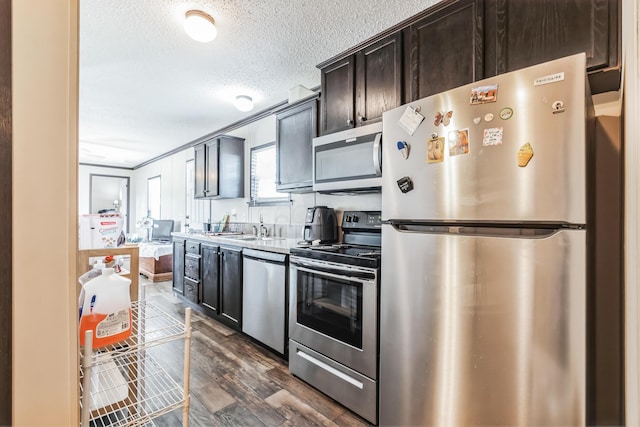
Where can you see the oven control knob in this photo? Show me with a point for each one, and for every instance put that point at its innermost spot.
(355, 218)
(348, 218)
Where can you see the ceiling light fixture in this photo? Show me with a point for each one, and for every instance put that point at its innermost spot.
(200, 26)
(244, 103)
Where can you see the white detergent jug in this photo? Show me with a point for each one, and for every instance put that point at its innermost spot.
(106, 309)
(86, 277)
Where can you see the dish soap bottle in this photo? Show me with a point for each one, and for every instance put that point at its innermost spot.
(106, 309)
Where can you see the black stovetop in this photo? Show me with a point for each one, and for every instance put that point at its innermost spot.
(363, 256)
(361, 242)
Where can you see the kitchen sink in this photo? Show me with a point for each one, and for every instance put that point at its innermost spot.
(249, 237)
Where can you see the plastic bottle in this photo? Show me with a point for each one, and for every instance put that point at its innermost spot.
(86, 277)
(106, 309)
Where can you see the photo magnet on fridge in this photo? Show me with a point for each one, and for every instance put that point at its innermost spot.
(458, 142)
(484, 94)
(435, 150)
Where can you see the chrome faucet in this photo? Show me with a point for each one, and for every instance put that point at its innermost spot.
(262, 230)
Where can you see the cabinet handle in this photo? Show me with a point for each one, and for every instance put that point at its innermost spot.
(349, 122)
(362, 119)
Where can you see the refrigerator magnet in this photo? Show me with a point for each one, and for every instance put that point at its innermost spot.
(484, 94)
(410, 120)
(506, 113)
(447, 118)
(405, 184)
(442, 117)
(558, 107)
(403, 148)
(477, 120)
(458, 142)
(488, 117)
(435, 150)
(525, 153)
(492, 136)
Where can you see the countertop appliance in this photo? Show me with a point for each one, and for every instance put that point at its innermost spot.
(333, 314)
(484, 273)
(348, 161)
(320, 224)
(264, 297)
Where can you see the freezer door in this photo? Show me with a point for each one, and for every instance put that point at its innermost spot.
(486, 178)
(482, 330)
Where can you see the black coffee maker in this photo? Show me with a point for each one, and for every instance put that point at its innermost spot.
(320, 224)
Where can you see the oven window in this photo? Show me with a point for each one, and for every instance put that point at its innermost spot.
(330, 306)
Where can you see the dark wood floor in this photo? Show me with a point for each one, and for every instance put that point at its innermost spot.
(236, 382)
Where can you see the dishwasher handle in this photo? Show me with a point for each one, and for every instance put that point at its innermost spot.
(271, 257)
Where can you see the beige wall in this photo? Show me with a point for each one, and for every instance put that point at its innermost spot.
(44, 41)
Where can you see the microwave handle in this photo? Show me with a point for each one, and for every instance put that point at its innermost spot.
(377, 154)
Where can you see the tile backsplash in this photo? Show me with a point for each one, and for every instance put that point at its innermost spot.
(287, 220)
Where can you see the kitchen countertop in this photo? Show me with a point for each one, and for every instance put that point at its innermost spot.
(271, 244)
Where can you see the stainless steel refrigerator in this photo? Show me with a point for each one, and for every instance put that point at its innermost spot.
(484, 253)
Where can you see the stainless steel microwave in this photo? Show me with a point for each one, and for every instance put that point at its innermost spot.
(348, 161)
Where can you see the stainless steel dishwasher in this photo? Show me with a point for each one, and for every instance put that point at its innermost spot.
(264, 297)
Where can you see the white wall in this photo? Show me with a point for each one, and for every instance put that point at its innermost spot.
(172, 203)
(45, 111)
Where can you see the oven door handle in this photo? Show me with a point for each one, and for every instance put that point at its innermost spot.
(334, 272)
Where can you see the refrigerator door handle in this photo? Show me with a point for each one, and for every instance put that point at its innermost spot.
(512, 231)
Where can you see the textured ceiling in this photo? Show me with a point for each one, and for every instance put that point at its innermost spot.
(147, 88)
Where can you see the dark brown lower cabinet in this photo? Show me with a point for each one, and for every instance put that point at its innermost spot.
(210, 278)
(231, 286)
(178, 265)
(191, 289)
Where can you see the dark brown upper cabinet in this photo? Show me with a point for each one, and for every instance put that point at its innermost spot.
(523, 33)
(219, 168)
(295, 129)
(337, 108)
(378, 79)
(444, 49)
(456, 42)
(358, 88)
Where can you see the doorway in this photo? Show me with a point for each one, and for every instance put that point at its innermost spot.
(110, 193)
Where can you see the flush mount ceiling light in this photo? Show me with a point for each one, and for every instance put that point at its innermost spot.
(244, 103)
(200, 26)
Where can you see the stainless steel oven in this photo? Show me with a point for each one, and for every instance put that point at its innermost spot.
(334, 311)
(333, 315)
